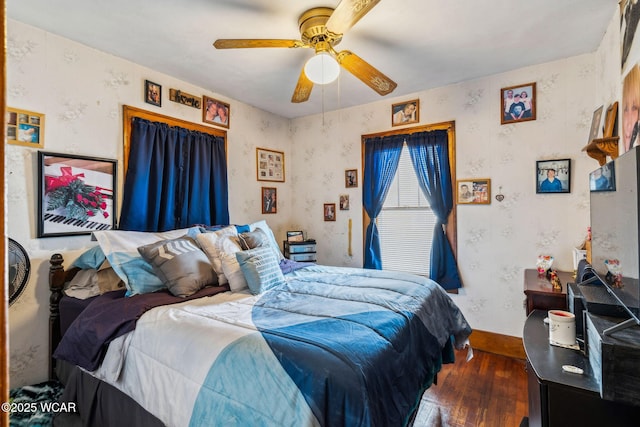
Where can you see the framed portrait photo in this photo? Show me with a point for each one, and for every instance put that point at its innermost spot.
(603, 178)
(152, 93)
(295, 236)
(270, 165)
(553, 176)
(344, 202)
(518, 103)
(595, 124)
(329, 211)
(405, 113)
(269, 200)
(351, 178)
(473, 191)
(76, 194)
(215, 112)
(25, 128)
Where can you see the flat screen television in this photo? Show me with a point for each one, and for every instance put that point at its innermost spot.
(615, 243)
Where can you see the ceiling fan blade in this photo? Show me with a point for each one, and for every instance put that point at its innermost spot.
(347, 13)
(250, 43)
(367, 73)
(303, 89)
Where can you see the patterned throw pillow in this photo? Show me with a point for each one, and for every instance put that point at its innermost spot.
(261, 269)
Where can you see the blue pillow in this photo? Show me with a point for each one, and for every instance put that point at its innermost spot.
(90, 259)
(261, 269)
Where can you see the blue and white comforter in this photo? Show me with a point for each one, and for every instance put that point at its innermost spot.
(333, 347)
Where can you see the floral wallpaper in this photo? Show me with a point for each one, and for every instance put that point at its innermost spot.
(81, 91)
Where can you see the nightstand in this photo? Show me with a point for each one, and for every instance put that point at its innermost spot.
(300, 251)
(540, 293)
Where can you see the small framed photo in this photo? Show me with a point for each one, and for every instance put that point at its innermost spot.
(329, 211)
(76, 194)
(518, 103)
(405, 113)
(595, 124)
(25, 128)
(295, 236)
(215, 112)
(270, 165)
(344, 202)
(603, 178)
(152, 93)
(475, 191)
(351, 178)
(553, 176)
(269, 200)
(610, 121)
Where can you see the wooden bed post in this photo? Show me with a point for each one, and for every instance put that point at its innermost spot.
(56, 285)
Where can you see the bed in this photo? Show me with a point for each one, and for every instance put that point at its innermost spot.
(254, 340)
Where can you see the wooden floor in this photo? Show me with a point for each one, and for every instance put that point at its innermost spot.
(490, 390)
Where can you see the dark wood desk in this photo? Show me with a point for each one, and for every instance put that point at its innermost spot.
(558, 398)
(540, 293)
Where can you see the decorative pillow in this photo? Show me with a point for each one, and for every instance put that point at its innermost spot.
(121, 250)
(253, 239)
(261, 269)
(108, 280)
(272, 238)
(84, 284)
(90, 259)
(232, 270)
(180, 264)
(216, 243)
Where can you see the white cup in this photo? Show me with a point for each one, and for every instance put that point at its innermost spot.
(562, 327)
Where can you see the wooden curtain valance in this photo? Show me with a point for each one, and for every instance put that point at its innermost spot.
(130, 112)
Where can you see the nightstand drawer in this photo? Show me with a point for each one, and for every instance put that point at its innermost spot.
(296, 249)
(306, 257)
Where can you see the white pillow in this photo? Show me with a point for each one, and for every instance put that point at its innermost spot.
(216, 243)
(272, 238)
(233, 272)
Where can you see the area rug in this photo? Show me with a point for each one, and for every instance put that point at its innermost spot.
(37, 397)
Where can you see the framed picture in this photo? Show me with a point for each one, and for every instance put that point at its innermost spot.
(603, 178)
(295, 236)
(405, 113)
(152, 93)
(518, 103)
(595, 124)
(329, 211)
(76, 194)
(610, 121)
(25, 128)
(270, 165)
(476, 191)
(344, 202)
(269, 200)
(215, 112)
(351, 178)
(553, 176)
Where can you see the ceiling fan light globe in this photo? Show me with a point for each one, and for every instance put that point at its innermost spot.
(322, 69)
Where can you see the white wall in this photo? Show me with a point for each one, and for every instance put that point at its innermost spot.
(81, 91)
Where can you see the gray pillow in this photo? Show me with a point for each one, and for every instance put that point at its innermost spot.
(253, 239)
(180, 264)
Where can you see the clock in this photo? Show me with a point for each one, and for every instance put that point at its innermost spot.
(19, 269)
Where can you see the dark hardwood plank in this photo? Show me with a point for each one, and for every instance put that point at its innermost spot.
(490, 390)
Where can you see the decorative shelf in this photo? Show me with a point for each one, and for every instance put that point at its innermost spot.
(600, 148)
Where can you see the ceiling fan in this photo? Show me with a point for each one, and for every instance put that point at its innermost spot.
(321, 28)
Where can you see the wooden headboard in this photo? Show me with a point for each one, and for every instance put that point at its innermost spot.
(58, 276)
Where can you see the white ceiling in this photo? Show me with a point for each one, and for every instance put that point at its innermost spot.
(420, 44)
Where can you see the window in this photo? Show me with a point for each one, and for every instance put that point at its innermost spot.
(406, 223)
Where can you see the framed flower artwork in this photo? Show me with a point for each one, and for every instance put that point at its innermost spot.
(76, 194)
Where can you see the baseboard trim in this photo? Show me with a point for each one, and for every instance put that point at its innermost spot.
(491, 342)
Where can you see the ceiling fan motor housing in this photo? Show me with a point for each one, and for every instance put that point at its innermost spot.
(313, 30)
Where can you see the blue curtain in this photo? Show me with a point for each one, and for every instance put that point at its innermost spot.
(430, 157)
(381, 158)
(175, 178)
